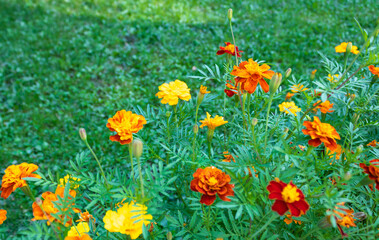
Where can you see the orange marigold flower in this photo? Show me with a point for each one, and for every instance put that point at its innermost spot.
(372, 171)
(298, 88)
(249, 74)
(171, 92)
(212, 123)
(289, 96)
(324, 107)
(344, 217)
(338, 151)
(203, 90)
(314, 71)
(232, 91)
(13, 177)
(211, 181)
(374, 70)
(229, 49)
(287, 197)
(372, 143)
(288, 220)
(125, 123)
(83, 236)
(316, 94)
(3, 215)
(321, 133)
(86, 217)
(250, 173)
(302, 148)
(228, 157)
(342, 48)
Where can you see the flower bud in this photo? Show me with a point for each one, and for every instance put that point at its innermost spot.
(38, 201)
(288, 72)
(348, 47)
(169, 236)
(254, 121)
(230, 14)
(137, 148)
(168, 114)
(347, 176)
(313, 75)
(286, 130)
(275, 82)
(83, 134)
(195, 129)
(308, 118)
(359, 149)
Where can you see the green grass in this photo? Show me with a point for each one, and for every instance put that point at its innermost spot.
(71, 64)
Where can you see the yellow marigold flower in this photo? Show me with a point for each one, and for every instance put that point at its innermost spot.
(171, 92)
(128, 219)
(203, 90)
(125, 123)
(298, 88)
(333, 78)
(289, 96)
(289, 108)
(74, 182)
(13, 177)
(3, 215)
(372, 143)
(84, 236)
(212, 123)
(324, 107)
(78, 230)
(342, 48)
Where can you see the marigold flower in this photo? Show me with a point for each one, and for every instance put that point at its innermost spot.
(324, 107)
(229, 49)
(342, 48)
(83, 236)
(3, 215)
(128, 219)
(86, 217)
(13, 177)
(203, 90)
(287, 198)
(302, 148)
(232, 91)
(250, 173)
(289, 96)
(372, 143)
(298, 88)
(125, 123)
(333, 79)
(211, 181)
(212, 123)
(374, 70)
(321, 133)
(372, 171)
(314, 72)
(338, 151)
(74, 182)
(79, 230)
(289, 108)
(288, 220)
(344, 217)
(171, 92)
(228, 157)
(249, 74)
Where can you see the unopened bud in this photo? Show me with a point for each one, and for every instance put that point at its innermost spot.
(254, 121)
(347, 176)
(348, 47)
(275, 82)
(286, 130)
(352, 97)
(168, 114)
(38, 201)
(359, 149)
(308, 118)
(195, 129)
(137, 148)
(230, 14)
(313, 75)
(82, 134)
(288, 72)
(169, 236)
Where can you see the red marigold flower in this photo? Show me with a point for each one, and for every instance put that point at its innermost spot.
(372, 171)
(211, 181)
(250, 73)
(13, 177)
(125, 123)
(287, 197)
(374, 70)
(229, 49)
(232, 91)
(321, 133)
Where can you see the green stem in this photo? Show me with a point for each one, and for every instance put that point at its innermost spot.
(176, 117)
(268, 113)
(140, 177)
(131, 159)
(273, 217)
(234, 42)
(98, 162)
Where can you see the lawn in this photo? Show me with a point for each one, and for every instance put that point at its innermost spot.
(74, 63)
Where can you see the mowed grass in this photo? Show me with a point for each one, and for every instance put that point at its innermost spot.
(74, 63)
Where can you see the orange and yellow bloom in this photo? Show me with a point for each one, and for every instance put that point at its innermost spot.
(125, 123)
(298, 88)
(229, 49)
(344, 218)
(373, 143)
(333, 78)
(250, 73)
(321, 133)
(342, 48)
(173, 91)
(128, 219)
(211, 181)
(288, 220)
(287, 198)
(374, 70)
(324, 107)
(289, 108)
(289, 96)
(13, 177)
(372, 171)
(212, 123)
(3, 215)
(79, 232)
(228, 157)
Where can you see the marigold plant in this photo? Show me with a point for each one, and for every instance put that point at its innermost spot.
(173, 91)
(321, 133)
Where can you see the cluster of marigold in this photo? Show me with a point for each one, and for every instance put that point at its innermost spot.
(209, 181)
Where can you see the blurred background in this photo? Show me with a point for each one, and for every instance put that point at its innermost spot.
(66, 64)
